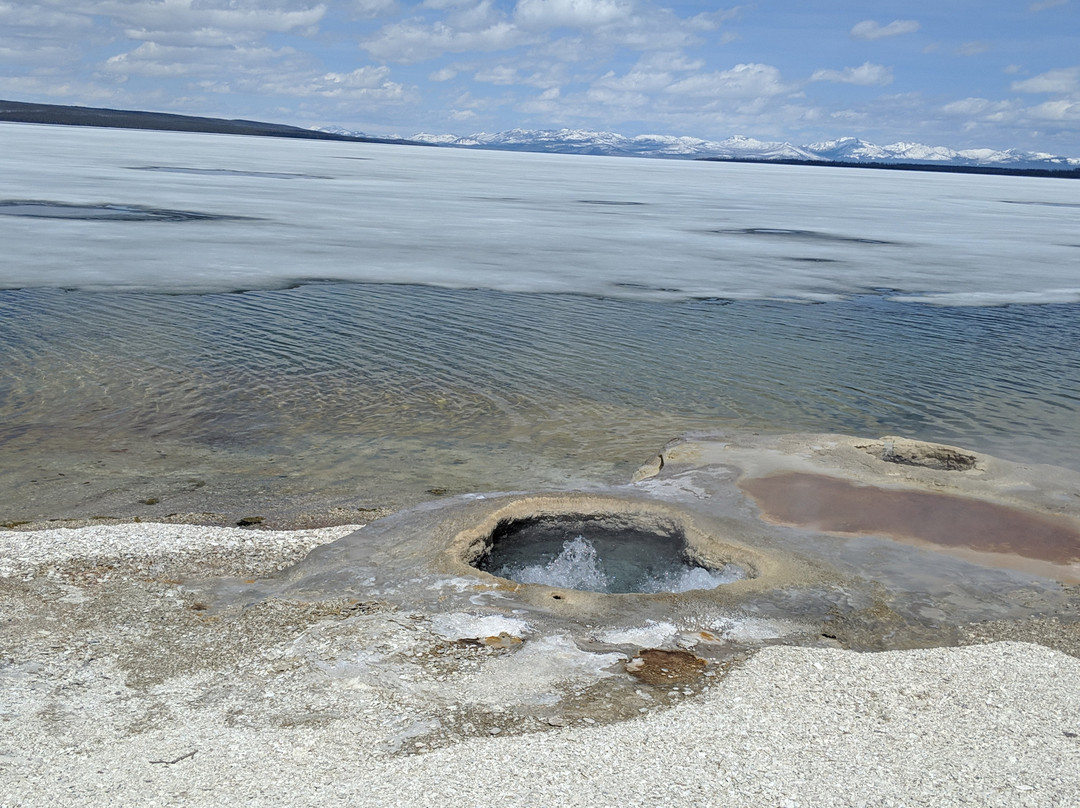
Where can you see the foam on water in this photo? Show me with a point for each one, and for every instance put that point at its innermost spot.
(576, 567)
(182, 212)
(691, 578)
(579, 566)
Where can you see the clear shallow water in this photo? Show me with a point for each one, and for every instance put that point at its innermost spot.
(508, 320)
(379, 393)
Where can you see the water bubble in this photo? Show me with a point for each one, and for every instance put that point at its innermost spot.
(579, 565)
(690, 578)
(576, 567)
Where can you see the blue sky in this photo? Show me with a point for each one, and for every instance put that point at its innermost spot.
(959, 74)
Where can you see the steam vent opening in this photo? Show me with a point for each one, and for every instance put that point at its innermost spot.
(599, 553)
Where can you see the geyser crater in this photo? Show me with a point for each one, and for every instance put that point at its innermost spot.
(607, 548)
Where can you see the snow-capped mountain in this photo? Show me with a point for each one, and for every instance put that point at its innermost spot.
(851, 149)
(580, 141)
(848, 150)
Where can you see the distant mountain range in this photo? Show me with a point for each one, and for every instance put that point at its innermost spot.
(845, 150)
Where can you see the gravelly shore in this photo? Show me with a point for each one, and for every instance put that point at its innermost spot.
(995, 724)
(24, 552)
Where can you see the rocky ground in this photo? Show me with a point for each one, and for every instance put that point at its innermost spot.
(149, 663)
(120, 687)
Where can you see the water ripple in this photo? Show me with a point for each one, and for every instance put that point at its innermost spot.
(402, 388)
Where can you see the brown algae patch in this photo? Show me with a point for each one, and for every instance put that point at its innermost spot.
(974, 528)
(926, 455)
(660, 667)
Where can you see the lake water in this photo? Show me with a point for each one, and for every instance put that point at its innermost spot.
(260, 320)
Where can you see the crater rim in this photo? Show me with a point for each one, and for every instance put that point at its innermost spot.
(702, 548)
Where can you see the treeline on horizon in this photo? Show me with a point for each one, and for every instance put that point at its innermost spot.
(1064, 173)
(61, 115)
(64, 115)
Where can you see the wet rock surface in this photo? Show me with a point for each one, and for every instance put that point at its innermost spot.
(873, 567)
(81, 636)
(838, 506)
(126, 634)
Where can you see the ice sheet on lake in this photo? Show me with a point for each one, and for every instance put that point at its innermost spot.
(271, 213)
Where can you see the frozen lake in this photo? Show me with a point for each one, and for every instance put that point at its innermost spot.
(416, 319)
(174, 212)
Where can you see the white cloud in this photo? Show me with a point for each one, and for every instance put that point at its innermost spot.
(865, 75)
(256, 69)
(571, 13)
(973, 48)
(1063, 80)
(44, 40)
(475, 16)
(62, 91)
(669, 60)
(368, 83)
(871, 29)
(652, 73)
(741, 81)
(367, 78)
(1061, 110)
(412, 42)
(615, 99)
(499, 74)
(179, 15)
(158, 39)
(45, 21)
(550, 104)
(602, 26)
(711, 20)
(605, 64)
(152, 59)
(982, 109)
(637, 80)
(565, 50)
(373, 8)
(31, 53)
(644, 35)
(198, 37)
(445, 4)
(849, 115)
(969, 106)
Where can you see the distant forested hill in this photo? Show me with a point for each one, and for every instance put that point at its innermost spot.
(22, 112)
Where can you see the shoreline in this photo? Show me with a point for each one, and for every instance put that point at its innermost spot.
(330, 516)
(120, 690)
(168, 663)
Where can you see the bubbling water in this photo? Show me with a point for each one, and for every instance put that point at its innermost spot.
(691, 578)
(630, 568)
(578, 566)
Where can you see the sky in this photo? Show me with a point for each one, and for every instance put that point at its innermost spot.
(957, 73)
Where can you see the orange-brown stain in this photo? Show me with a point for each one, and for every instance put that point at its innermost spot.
(839, 506)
